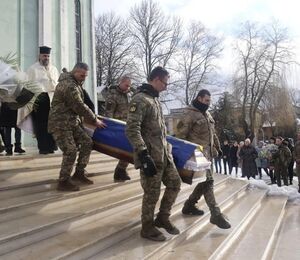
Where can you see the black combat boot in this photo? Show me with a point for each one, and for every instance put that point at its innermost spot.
(191, 209)
(163, 221)
(149, 231)
(67, 185)
(121, 175)
(80, 176)
(2, 147)
(9, 150)
(18, 148)
(220, 220)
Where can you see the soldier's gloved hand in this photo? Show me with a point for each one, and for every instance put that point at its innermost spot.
(148, 164)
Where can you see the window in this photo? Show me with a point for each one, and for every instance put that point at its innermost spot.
(78, 30)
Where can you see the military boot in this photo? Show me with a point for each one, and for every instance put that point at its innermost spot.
(150, 232)
(163, 221)
(2, 147)
(67, 185)
(121, 175)
(220, 220)
(80, 176)
(191, 209)
(18, 148)
(9, 150)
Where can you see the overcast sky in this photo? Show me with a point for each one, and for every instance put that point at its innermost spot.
(222, 16)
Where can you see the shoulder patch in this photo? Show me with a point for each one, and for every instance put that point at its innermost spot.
(132, 107)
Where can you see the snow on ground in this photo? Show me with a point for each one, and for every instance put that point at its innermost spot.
(290, 191)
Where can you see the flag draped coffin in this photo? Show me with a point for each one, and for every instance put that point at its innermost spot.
(112, 141)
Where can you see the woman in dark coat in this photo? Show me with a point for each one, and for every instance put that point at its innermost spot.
(233, 159)
(248, 154)
(8, 120)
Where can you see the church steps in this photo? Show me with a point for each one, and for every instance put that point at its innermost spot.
(287, 239)
(102, 221)
(110, 214)
(205, 242)
(257, 238)
(134, 247)
(28, 196)
(11, 181)
(27, 162)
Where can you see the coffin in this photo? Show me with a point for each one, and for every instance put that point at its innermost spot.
(112, 141)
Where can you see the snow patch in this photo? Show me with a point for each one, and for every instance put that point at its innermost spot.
(273, 190)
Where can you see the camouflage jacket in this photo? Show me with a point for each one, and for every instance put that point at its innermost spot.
(282, 157)
(199, 128)
(146, 127)
(297, 152)
(67, 107)
(116, 103)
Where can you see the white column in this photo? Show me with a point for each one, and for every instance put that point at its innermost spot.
(93, 53)
(64, 34)
(45, 23)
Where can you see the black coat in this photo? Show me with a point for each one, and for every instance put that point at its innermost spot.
(233, 160)
(248, 154)
(8, 117)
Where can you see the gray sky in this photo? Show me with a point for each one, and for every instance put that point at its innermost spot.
(223, 18)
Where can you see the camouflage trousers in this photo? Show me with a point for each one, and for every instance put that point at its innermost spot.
(122, 165)
(206, 188)
(69, 142)
(168, 175)
(281, 173)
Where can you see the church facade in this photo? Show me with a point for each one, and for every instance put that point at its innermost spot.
(64, 25)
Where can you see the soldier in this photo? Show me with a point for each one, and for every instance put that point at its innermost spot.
(297, 158)
(65, 123)
(281, 160)
(197, 126)
(116, 106)
(146, 132)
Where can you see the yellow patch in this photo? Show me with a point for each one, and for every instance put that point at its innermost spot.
(132, 108)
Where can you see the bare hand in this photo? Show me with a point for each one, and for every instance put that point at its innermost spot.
(100, 124)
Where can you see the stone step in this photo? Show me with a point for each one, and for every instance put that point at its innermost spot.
(25, 162)
(75, 232)
(30, 195)
(134, 247)
(207, 241)
(288, 236)
(48, 175)
(256, 238)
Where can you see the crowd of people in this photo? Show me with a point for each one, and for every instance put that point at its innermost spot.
(275, 157)
(62, 106)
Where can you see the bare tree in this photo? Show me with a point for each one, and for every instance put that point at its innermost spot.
(262, 54)
(113, 48)
(278, 110)
(155, 35)
(197, 60)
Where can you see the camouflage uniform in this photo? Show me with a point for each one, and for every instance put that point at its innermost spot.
(198, 127)
(65, 123)
(116, 106)
(297, 159)
(281, 160)
(146, 130)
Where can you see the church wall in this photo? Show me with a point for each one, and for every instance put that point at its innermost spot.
(27, 24)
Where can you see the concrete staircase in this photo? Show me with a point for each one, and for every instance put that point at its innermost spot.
(102, 221)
